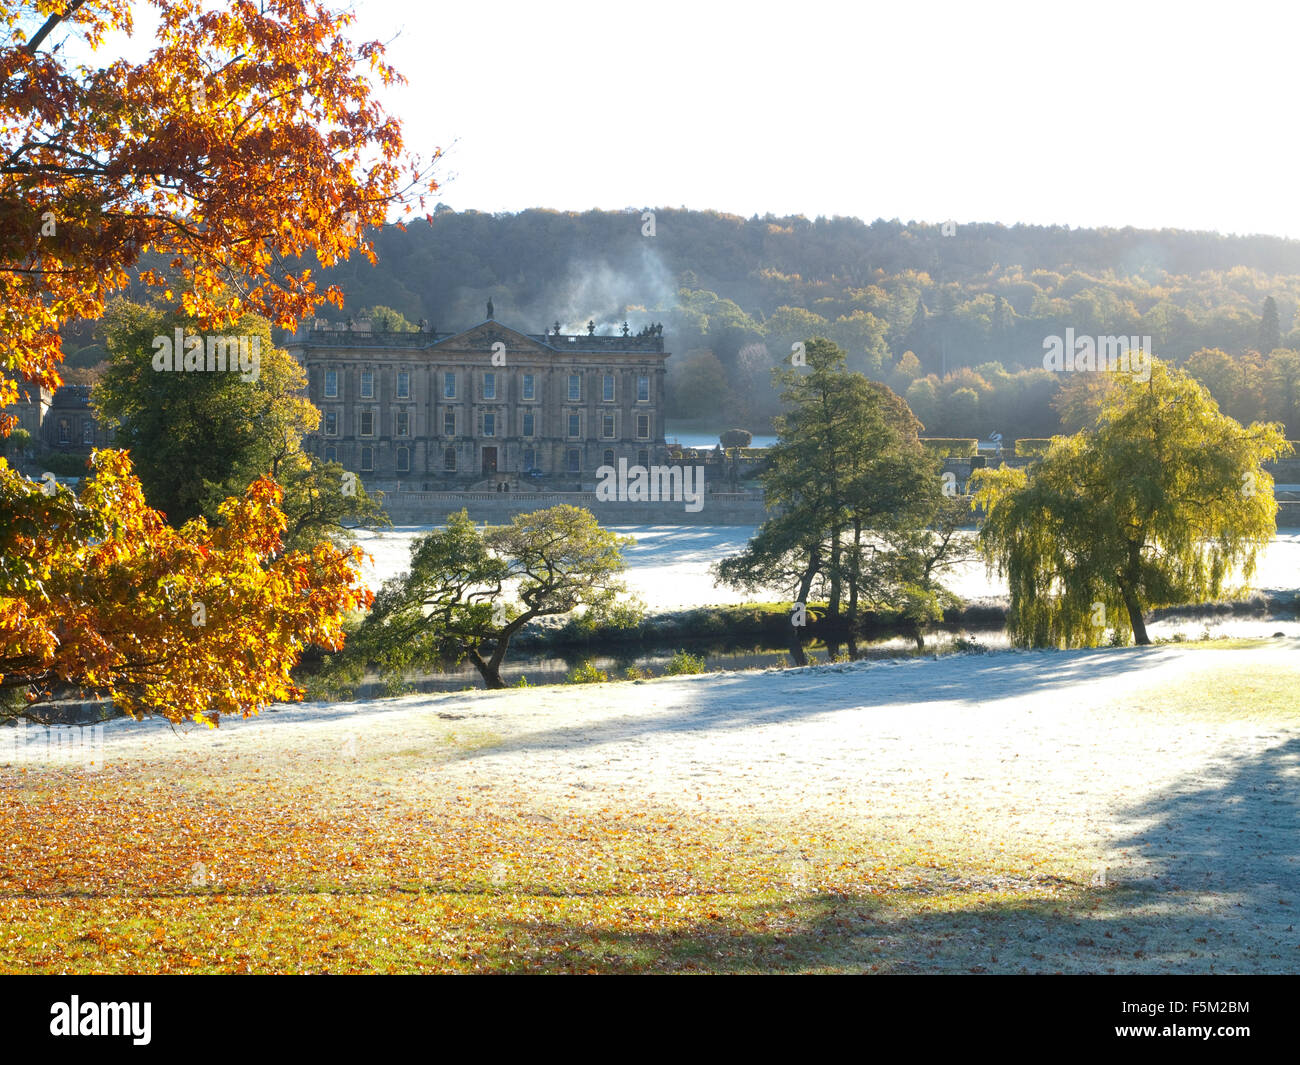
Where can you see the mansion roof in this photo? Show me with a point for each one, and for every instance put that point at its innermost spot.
(479, 337)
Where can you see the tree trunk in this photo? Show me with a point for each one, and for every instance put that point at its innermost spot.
(489, 671)
(836, 576)
(855, 576)
(1128, 589)
(1134, 608)
(805, 584)
(796, 647)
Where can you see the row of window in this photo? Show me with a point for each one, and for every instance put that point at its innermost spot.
(489, 384)
(64, 428)
(573, 459)
(488, 424)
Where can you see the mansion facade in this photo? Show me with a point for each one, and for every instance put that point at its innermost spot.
(62, 420)
(448, 410)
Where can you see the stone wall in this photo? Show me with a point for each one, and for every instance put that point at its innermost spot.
(433, 508)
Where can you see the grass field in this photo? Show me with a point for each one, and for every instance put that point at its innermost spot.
(407, 836)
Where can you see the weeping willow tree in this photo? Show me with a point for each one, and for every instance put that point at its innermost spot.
(1160, 504)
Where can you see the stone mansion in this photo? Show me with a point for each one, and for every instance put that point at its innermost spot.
(437, 411)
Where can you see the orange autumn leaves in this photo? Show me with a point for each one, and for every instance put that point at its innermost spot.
(100, 593)
(246, 142)
(266, 860)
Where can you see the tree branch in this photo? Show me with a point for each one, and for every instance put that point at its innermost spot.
(50, 23)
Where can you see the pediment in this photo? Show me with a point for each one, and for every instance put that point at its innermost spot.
(483, 336)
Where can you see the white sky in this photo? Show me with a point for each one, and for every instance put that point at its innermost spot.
(1152, 114)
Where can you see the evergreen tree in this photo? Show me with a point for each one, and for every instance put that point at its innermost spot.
(1270, 329)
(848, 465)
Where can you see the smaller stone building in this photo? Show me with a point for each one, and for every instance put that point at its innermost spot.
(62, 420)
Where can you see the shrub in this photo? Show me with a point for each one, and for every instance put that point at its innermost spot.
(586, 673)
(684, 662)
(65, 464)
(18, 441)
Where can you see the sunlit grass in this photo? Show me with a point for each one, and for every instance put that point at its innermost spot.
(1225, 692)
(362, 861)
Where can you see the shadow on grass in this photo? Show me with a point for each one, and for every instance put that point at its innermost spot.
(1206, 880)
(1082, 931)
(1225, 841)
(740, 700)
(864, 934)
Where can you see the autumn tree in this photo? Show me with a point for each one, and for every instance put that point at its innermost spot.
(699, 388)
(907, 370)
(1081, 399)
(1156, 506)
(1227, 381)
(470, 589)
(1281, 384)
(98, 593)
(245, 148)
(752, 398)
(247, 139)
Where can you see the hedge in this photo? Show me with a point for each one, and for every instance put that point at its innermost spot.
(1032, 447)
(1036, 447)
(64, 464)
(952, 447)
